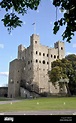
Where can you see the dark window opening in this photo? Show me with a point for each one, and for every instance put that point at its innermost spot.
(54, 56)
(28, 62)
(51, 55)
(36, 52)
(43, 54)
(17, 81)
(61, 48)
(40, 53)
(5, 95)
(43, 61)
(57, 56)
(23, 58)
(35, 42)
(36, 60)
(11, 96)
(47, 62)
(39, 61)
(47, 55)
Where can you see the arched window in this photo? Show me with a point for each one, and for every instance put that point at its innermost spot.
(40, 53)
(36, 60)
(47, 62)
(39, 61)
(47, 55)
(57, 56)
(54, 56)
(43, 61)
(51, 55)
(35, 42)
(61, 48)
(28, 62)
(43, 54)
(36, 52)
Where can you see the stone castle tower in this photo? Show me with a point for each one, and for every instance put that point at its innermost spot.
(30, 69)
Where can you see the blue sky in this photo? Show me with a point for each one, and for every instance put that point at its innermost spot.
(44, 18)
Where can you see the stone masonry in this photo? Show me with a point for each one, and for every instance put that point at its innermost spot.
(31, 68)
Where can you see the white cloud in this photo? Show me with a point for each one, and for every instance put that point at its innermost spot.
(37, 11)
(2, 46)
(51, 45)
(11, 57)
(4, 85)
(51, 1)
(24, 22)
(62, 11)
(0, 85)
(68, 53)
(11, 34)
(51, 22)
(74, 45)
(37, 33)
(4, 73)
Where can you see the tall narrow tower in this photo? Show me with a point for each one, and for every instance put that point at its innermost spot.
(61, 49)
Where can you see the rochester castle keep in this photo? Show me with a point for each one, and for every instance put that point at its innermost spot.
(28, 74)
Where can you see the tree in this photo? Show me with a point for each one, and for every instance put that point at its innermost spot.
(56, 74)
(68, 7)
(71, 57)
(11, 20)
(72, 74)
(65, 69)
(68, 19)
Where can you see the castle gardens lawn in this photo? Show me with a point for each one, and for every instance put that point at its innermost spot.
(52, 103)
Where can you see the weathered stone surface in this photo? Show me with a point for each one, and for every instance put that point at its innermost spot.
(3, 91)
(32, 66)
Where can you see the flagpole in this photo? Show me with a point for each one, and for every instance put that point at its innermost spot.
(35, 28)
(34, 24)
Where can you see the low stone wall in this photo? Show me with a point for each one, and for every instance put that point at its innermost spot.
(24, 93)
(3, 91)
(27, 94)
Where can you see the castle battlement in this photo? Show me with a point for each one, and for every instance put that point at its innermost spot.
(32, 66)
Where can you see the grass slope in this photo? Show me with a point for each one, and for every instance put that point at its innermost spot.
(64, 103)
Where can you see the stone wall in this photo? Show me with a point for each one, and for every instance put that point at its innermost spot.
(15, 76)
(32, 66)
(3, 91)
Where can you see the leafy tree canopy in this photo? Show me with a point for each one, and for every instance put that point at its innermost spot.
(68, 7)
(56, 74)
(71, 57)
(64, 68)
(11, 20)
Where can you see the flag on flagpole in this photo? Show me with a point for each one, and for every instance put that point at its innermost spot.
(33, 24)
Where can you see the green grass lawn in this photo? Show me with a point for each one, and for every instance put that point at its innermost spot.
(4, 99)
(64, 103)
